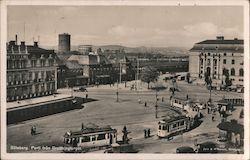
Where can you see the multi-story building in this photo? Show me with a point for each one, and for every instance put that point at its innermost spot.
(31, 71)
(216, 58)
(64, 43)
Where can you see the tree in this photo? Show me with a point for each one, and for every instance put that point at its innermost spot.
(149, 74)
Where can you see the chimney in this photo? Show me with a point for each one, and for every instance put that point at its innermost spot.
(16, 39)
(35, 44)
(220, 37)
(22, 43)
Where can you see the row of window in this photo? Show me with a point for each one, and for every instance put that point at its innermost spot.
(232, 72)
(209, 54)
(31, 76)
(25, 90)
(215, 62)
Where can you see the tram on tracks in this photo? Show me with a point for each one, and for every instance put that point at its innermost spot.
(172, 126)
(91, 138)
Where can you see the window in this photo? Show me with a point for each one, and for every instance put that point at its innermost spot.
(42, 63)
(215, 72)
(201, 61)
(93, 138)
(224, 61)
(51, 62)
(232, 72)
(159, 127)
(233, 61)
(208, 62)
(241, 72)
(225, 54)
(42, 75)
(208, 54)
(86, 139)
(101, 137)
(164, 127)
(241, 80)
(33, 63)
(174, 125)
(182, 123)
(215, 62)
(30, 75)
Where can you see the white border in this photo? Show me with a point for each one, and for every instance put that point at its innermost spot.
(26, 156)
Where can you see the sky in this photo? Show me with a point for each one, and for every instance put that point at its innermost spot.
(132, 26)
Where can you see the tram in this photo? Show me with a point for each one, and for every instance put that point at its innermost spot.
(88, 138)
(172, 126)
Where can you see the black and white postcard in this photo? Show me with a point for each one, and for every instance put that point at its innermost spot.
(124, 79)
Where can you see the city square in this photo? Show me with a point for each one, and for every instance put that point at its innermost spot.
(105, 110)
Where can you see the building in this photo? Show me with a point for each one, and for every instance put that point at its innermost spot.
(217, 58)
(85, 49)
(31, 71)
(64, 43)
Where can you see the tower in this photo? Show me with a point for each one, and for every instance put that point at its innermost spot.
(64, 43)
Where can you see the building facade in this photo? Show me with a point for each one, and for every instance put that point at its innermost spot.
(31, 71)
(218, 58)
(64, 43)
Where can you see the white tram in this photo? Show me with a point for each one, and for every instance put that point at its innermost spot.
(172, 126)
(91, 137)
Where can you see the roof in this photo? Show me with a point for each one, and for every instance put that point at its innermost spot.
(220, 45)
(73, 65)
(89, 130)
(231, 41)
(172, 119)
(33, 51)
(231, 126)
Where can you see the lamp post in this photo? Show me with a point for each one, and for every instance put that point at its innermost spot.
(117, 93)
(156, 103)
(210, 88)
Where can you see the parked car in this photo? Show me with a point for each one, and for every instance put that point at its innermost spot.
(81, 89)
(185, 149)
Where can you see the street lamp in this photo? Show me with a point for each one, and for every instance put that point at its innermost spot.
(210, 88)
(117, 93)
(156, 104)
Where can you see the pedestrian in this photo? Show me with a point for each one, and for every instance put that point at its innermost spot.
(212, 118)
(162, 99)
(148, 132)
(187, 96)
(31, 130)
(34, 128)
(87, 95)
(145, 104)
(82, 126)
(145, 133)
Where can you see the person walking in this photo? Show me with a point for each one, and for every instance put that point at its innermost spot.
(148, 132)
(145, 104)
(145, 133)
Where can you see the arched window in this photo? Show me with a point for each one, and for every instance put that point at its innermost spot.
(241, 72)
(232, 72)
